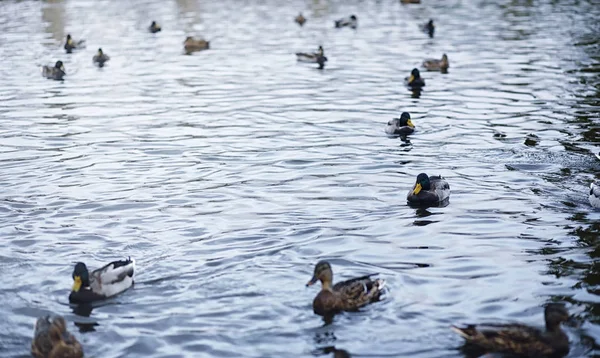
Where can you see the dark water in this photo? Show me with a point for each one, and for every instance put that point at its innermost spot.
(229, 173)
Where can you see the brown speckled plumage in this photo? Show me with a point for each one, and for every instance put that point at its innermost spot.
(52, 340)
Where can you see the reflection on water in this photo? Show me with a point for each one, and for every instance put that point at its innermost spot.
(230, 173)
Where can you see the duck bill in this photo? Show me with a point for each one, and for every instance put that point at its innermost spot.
(411, 78)
(312, 281)
(417, 189)
(62, 68)
(76, 284)
(410, 124)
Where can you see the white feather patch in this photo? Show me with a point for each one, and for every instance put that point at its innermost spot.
(595, 195)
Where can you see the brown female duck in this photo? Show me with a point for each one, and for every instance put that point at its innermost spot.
(192, 45)
(521, 340)
(300, 19)
(347, 295)
(432, 64)
(52, 340)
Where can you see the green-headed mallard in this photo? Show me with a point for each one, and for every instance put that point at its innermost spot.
(317, 57)
(71, 44)
(428, 28)
(415, 81)
(300, 19)
(595, 194)
(348, 295)
(521, 340)
(192, 45)
(400, 126)
(53, 340)
(429, 190)
(432, 64)
(154, 27)
(351, 22)
(102, 283)
(54, 73)
(100, 58)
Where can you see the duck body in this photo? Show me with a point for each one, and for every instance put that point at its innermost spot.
(347, 295)
(300, 19)
(351, 21)
(400, 126)
(54, 73)
(71, 44)
(52, 340)
(154, 27)
(100, 58)
(414, 81)
(595, 195)
(429, 190)
(521, 340)
(432, 64)
(192, 45)
(310, 57)
(428, 28)
(105, 282)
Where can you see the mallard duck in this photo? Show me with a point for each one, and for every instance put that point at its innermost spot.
(54, 73)
(432, 64)
(351, 21)
(428, 28)
(154, 27)
(102, 283)
(348, 295)
(100, 58)
(521, 340)
(52, 340)
(400, 126)
(595, 194)
(300, 19)
(415, 80)
(191, 45)
(429, 190)
(310, 57)
(71, 44)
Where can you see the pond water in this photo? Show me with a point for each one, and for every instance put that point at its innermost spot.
(229, 173)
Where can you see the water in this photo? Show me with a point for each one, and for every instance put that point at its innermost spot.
(229, 173)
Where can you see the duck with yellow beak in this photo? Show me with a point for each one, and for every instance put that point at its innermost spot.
(105, 282)
(429, 190)
(400, 126)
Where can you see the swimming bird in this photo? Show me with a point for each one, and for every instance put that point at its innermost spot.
(300, 19)
(521, 340)
(52, 340)
(154, 27)
(192, 45)
(432, 64)
(347, 295)
(102, 283)
(415, 80)
(351, 22)
(429, 190)
(400, 126)
(428, 28)
(71, 44)
(100, 58)
(310, 57)
(410, 1)
(595, 194)
(54, 73)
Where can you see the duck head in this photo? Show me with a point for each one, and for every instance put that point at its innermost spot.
(322, 273)
(353, 18)
(81, 277)
(405, 120)
(422, 183)
(414, 74)
(100, 53)
(60, 66)
(69, 40)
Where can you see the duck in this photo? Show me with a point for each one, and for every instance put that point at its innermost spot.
(310, 57)
(347, 295)
(428, 28)
(100, 58)
(429, 190)
(521, 340)
(410, 1)
(414, 80)
(300, 19)
(107, 281)
(71, 44)
(52, 340)
(351, 22)
(191, 44)
(595, 194)
(400, 126)
(54, 73)
(154, 27)
(432, 64)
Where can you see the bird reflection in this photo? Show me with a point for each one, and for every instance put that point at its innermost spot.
(84, 310)
(416, 92)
